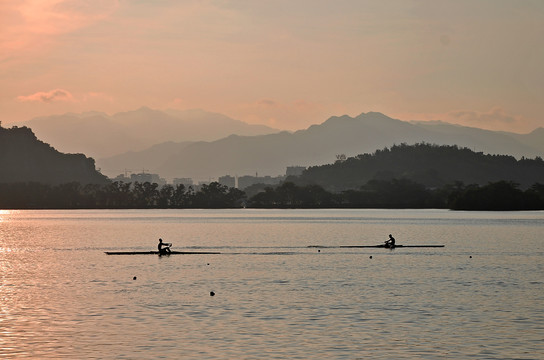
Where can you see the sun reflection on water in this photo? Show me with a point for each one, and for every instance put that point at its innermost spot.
(61, 297)
(5, 214)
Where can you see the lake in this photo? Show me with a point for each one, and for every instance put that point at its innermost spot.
(276, 297)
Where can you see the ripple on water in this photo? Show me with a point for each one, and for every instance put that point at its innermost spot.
(274, 298)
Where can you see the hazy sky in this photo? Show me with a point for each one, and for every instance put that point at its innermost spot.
(287, 64)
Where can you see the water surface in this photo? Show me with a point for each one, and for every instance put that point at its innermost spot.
(480, 297)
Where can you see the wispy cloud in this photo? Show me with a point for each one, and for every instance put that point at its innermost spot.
(91, 96)
(47, 96)
(255, 60)
(495, 116)
(267, 102)
(292, 115)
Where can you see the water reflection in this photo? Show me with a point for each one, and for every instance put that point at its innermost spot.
(62, 297)
(6, 214)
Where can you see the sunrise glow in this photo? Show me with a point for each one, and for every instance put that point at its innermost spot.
(286, 64)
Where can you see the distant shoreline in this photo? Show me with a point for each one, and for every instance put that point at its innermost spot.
(395, 194)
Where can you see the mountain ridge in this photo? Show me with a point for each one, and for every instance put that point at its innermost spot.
(100, 135)
(25, 159)
(319, 144)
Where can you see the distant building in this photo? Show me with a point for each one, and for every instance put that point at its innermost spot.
(146, 177)
(141, 178)
(183, 181)
(227, 180)
(247, 180)
(295, 170)
(121, 178)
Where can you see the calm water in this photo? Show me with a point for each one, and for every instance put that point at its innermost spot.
(480, 297)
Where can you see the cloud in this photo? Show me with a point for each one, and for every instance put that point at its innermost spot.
(291, 115)
(267, 102)
(495, 116)
(47, 97)
(90, 96)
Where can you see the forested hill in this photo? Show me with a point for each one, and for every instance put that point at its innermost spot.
(429, 165)
(24, 158)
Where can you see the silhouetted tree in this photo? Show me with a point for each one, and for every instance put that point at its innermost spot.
(289, 195)
(430, 165)
(146, 194)
(215, 195)
(501, 195)
(395, 193)
(165, 196)
(119, 195)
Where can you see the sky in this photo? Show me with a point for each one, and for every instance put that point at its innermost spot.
(287, 64)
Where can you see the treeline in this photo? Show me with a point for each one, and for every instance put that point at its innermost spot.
(431, 165)
(392, 194)
(403, 194)
(117, 195)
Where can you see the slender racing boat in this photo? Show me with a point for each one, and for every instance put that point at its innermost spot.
(377, 246)
(157, 253)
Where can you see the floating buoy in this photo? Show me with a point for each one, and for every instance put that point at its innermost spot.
(212, 293)
(134, 278)
(470, 257)
(208, 264)
(318, 250)
(370, 257)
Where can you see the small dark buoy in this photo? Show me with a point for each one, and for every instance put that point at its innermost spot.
(370, 257)
(470, 257)
(208, 264)
(212, 293)
(134, 278)
(318, 250)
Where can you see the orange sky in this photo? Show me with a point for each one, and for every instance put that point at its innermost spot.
(286, 64)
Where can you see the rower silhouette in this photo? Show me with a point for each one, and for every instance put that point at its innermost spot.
(164, 248)
(390, 243)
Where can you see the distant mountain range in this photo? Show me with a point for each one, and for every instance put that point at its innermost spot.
(25, 159)
(100, 135)
(270, 154)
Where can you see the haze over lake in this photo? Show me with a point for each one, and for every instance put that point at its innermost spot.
(478, 297)
(186, 104)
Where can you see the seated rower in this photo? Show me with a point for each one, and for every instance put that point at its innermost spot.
(164, 248)
(390, 243)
